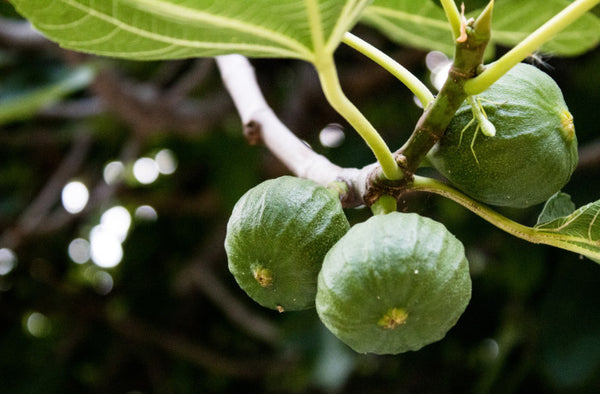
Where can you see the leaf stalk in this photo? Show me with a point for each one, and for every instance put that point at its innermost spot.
(335, 95)
(453, 15)
(413, 83)
(530, 234)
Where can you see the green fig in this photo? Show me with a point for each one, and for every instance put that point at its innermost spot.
(277, 237)
(533, 152)
(394, 283)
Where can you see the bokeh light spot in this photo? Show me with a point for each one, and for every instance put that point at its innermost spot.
(105, 248)
(146, 212)
(102, 282)
(8, 261)
(79, 250)
(37, 324)
(113, 172)
(332, 136)
(75, 197)
(439, 65)
(166, 161)
(117, 221)
(145, 170)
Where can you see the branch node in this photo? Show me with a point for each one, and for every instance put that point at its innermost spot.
(252, 132)
(378, 185)
(401, 160)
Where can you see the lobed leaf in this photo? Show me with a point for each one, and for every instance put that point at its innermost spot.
(422, 24)
(557, 206)
(418, 23)
(515, 19)
(169, 29)
(579, 231)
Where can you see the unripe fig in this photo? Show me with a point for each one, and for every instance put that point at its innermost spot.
(531, 156)
(277, 237)
(394, 283)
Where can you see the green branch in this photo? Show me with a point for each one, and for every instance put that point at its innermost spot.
(530, 44)
(413, 83)
(431, 126)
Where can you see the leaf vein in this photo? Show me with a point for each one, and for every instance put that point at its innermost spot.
(154, 6)
(406, 16)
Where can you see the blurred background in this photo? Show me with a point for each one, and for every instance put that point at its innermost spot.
(116, 182)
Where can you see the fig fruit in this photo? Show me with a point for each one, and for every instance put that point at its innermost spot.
(531, 156)
(277, 237)
(394, 283)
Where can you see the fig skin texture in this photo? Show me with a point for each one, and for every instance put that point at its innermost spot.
(533, 153)
(394, 283)
(277, 237)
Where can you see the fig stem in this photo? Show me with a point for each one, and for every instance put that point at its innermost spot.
(421, 183)
(530, 234)
(525, 48)
(332, 89)
(413, 83)
(384, 204)
(453, 15)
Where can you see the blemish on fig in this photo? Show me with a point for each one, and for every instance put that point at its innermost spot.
(393, 318)
(280, 309)
(263, 276)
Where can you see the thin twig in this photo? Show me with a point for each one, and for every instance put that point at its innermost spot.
(198, 73)
(589, 156)
(200, 355)
(200, 275)
(74, 109)
(147, 109)
(99, 194)
(20, 34)
(40, 207)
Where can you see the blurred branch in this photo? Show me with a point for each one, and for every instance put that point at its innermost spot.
(14, 33)
(43, 216)
(100, 193)
(74, 109)
(200, 275)
(94, 311)
(589, 156)
(203, 357)
(40, 207)
(196, 75)
(149, 109)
